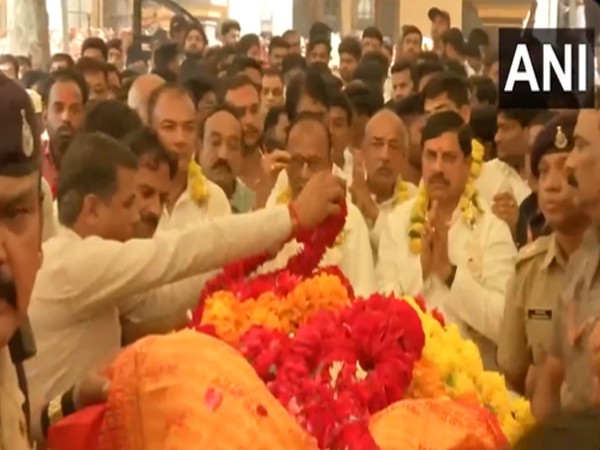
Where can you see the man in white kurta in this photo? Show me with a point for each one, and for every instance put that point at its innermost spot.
(309, 149)
(478, 255)
(87, 276)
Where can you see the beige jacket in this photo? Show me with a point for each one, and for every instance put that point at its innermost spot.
(13, 428)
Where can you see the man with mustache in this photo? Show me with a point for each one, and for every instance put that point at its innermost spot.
(63, 109)
(532, 298)
(377, 186)
(446, 244)
(568, 365)
(221, 157)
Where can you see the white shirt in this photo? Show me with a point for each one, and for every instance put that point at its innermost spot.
(79, 290)
(50, 218)
(13, 428)
(147, 311)
(497, 177)
(484, 256)
(352, 255)
(282, 184)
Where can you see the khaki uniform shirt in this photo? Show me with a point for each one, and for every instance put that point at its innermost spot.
(531, 301)
(13, 428)
(579, 306)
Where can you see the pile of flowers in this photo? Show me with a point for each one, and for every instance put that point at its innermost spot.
(332, 360)
(340, 368)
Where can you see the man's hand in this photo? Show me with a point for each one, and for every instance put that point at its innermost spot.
(92, 390)
(273, 163)
(506, 208)
(440, 263)
(320, 198)
(361, 194)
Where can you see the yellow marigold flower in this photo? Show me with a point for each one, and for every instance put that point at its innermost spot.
(197, 183)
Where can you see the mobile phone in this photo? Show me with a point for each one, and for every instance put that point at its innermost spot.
(22, 344)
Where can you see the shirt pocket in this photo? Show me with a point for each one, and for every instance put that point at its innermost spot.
(539, 327)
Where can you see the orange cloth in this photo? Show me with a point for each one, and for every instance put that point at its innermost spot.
(190, 391)
(436, 425)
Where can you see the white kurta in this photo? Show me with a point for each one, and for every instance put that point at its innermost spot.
(77, 296)
(13, 428)
(353, 255)
(485, 257)
(497, 177)
(183, 295)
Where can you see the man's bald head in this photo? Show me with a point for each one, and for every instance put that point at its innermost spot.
(386, 121)
(140, 92)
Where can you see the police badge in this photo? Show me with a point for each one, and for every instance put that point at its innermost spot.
(560, 139)
(27, 136)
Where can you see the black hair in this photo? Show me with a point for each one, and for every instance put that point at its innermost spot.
(199, 86)
(410, 106)
(479, 37)
(232, 83)
(278, 42)
(116, 44)
(522, 116)
(62, 57)
(196, 27)
(454, 87)
(112, 118)
(426, 68)
(472, 50)
(543, 117)
(319, 40)
(12, 60)
(427, 56)
(145, 143)
(372, 32)
(165, 54)
(293, 61)
(341, 100)
(273, 115)
(319, 29)
(444, 122)
(350, 46)
(484, 89)
(365, 99)
(222, 107)
(246, 42)
(305, 117)
(333, 82)
(273, 72)
(33, 78)
(484, 123)
(411, 29)
(97, 44)
(320, 67)
(65, 76)
(405, 64)
(378, 57)
(309, 83)
(288, 33)
(229, 25)
(241, 62)
(372, 74)
(90, 167)
(455, 67)
(111, 68)
(91, 65)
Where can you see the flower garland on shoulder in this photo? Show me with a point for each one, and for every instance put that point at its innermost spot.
(469, 202)
(285, 197)
(401, 192)
(197, 184)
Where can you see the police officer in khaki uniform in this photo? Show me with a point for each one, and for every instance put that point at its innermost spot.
(20, 248)
(568, 365)
(541, 265)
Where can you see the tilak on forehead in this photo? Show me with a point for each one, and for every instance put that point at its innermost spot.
(20, 147)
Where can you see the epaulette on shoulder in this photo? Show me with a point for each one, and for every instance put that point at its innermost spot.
(533, 249)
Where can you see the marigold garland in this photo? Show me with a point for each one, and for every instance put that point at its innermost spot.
(401, 192)
(469, 202)
(451, 367)
(197, 183)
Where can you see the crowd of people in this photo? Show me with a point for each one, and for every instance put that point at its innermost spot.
(153, 176)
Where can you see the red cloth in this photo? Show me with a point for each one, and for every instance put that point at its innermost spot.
(79, 431)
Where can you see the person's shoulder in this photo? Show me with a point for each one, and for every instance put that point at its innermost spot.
(534, 250)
